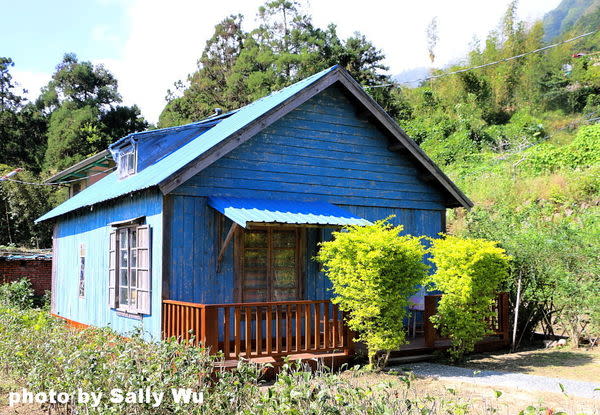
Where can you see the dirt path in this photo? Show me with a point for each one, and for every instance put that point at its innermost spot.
(519, 381)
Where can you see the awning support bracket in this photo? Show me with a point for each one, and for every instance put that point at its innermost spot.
(226, 242)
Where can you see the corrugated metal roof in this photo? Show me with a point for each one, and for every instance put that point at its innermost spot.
(243, 211)
(111, 186)
(25, 257)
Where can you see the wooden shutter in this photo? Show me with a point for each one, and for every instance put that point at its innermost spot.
(112, 270)
(143, 270)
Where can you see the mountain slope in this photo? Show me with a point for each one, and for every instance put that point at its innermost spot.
(566, 15)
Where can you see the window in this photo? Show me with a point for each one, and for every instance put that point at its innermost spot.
(129, 269)
(127, 162)
(81, 271)
(271, 265)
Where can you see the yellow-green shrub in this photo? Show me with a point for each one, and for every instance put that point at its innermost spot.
(374, 270)
(468, 272)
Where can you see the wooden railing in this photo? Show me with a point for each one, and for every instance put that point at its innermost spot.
(498, 323)
(258, 329)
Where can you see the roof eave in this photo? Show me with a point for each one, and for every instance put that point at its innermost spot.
(78, 166)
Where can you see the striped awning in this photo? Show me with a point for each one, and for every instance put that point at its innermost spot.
(245, 211)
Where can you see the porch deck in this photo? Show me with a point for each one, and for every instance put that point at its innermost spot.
(266, 332)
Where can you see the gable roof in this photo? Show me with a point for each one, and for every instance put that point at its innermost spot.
(211, 144)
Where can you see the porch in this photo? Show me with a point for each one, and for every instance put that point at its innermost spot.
(261, 331)
(269, 331)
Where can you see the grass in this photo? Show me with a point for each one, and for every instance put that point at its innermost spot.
(567, 363)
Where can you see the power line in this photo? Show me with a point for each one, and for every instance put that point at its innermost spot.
(485, 64)
(57, 183)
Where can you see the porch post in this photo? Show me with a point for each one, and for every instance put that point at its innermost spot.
(427, 324)
(209, 329)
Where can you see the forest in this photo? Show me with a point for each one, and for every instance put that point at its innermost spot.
(521, 137)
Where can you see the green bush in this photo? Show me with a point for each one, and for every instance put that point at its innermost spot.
(583, 151)
(522, 129)
(374, 270)
(40, 353)
(18, 294)
(469, 273)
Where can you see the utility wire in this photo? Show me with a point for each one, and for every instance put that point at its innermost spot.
(57, 183)
(485, 64)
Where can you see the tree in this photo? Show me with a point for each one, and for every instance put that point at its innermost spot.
(238, 67)
(84, 118)
(22, 126)
(374, 270)
(20, 205)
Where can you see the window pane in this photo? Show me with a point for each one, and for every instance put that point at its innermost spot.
(133, 278)
(285, 294)
(284, 258)
(255, 239)
(134, 258)
(133, 298)
(123, 297)
(123, 238)
(124, 260)
(284, 239)
(255, 279)
(255, 295)
(130, 162)
(284, 277)
(255, 258)
(124, 281)
(133, 238)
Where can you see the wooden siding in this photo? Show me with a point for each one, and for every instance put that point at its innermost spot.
(90, 227)
(192, 273)
(319, 151)
(193, 254)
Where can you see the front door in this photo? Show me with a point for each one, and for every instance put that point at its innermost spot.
(271, 264)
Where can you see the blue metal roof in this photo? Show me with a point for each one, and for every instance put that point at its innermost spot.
(111, 186)
(243, 211)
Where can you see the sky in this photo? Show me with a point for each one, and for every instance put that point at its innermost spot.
(150, 44)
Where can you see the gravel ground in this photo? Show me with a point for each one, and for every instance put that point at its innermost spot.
(512, 380)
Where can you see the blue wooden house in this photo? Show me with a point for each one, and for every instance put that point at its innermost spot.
(209, 229)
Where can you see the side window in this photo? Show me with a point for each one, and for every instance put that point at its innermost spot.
(129, 269)
(127, 163)
(82, 254)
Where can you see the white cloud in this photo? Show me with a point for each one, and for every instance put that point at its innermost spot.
(31, 81)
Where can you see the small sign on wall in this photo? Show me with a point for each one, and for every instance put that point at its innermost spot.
(82, 255)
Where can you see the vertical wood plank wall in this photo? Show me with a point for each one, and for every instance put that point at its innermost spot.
(320, 151)
(90, 227)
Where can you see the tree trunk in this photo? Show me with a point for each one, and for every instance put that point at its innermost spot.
(516, 319)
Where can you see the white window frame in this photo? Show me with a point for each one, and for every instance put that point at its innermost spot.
(129, 269)
(127, 162)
